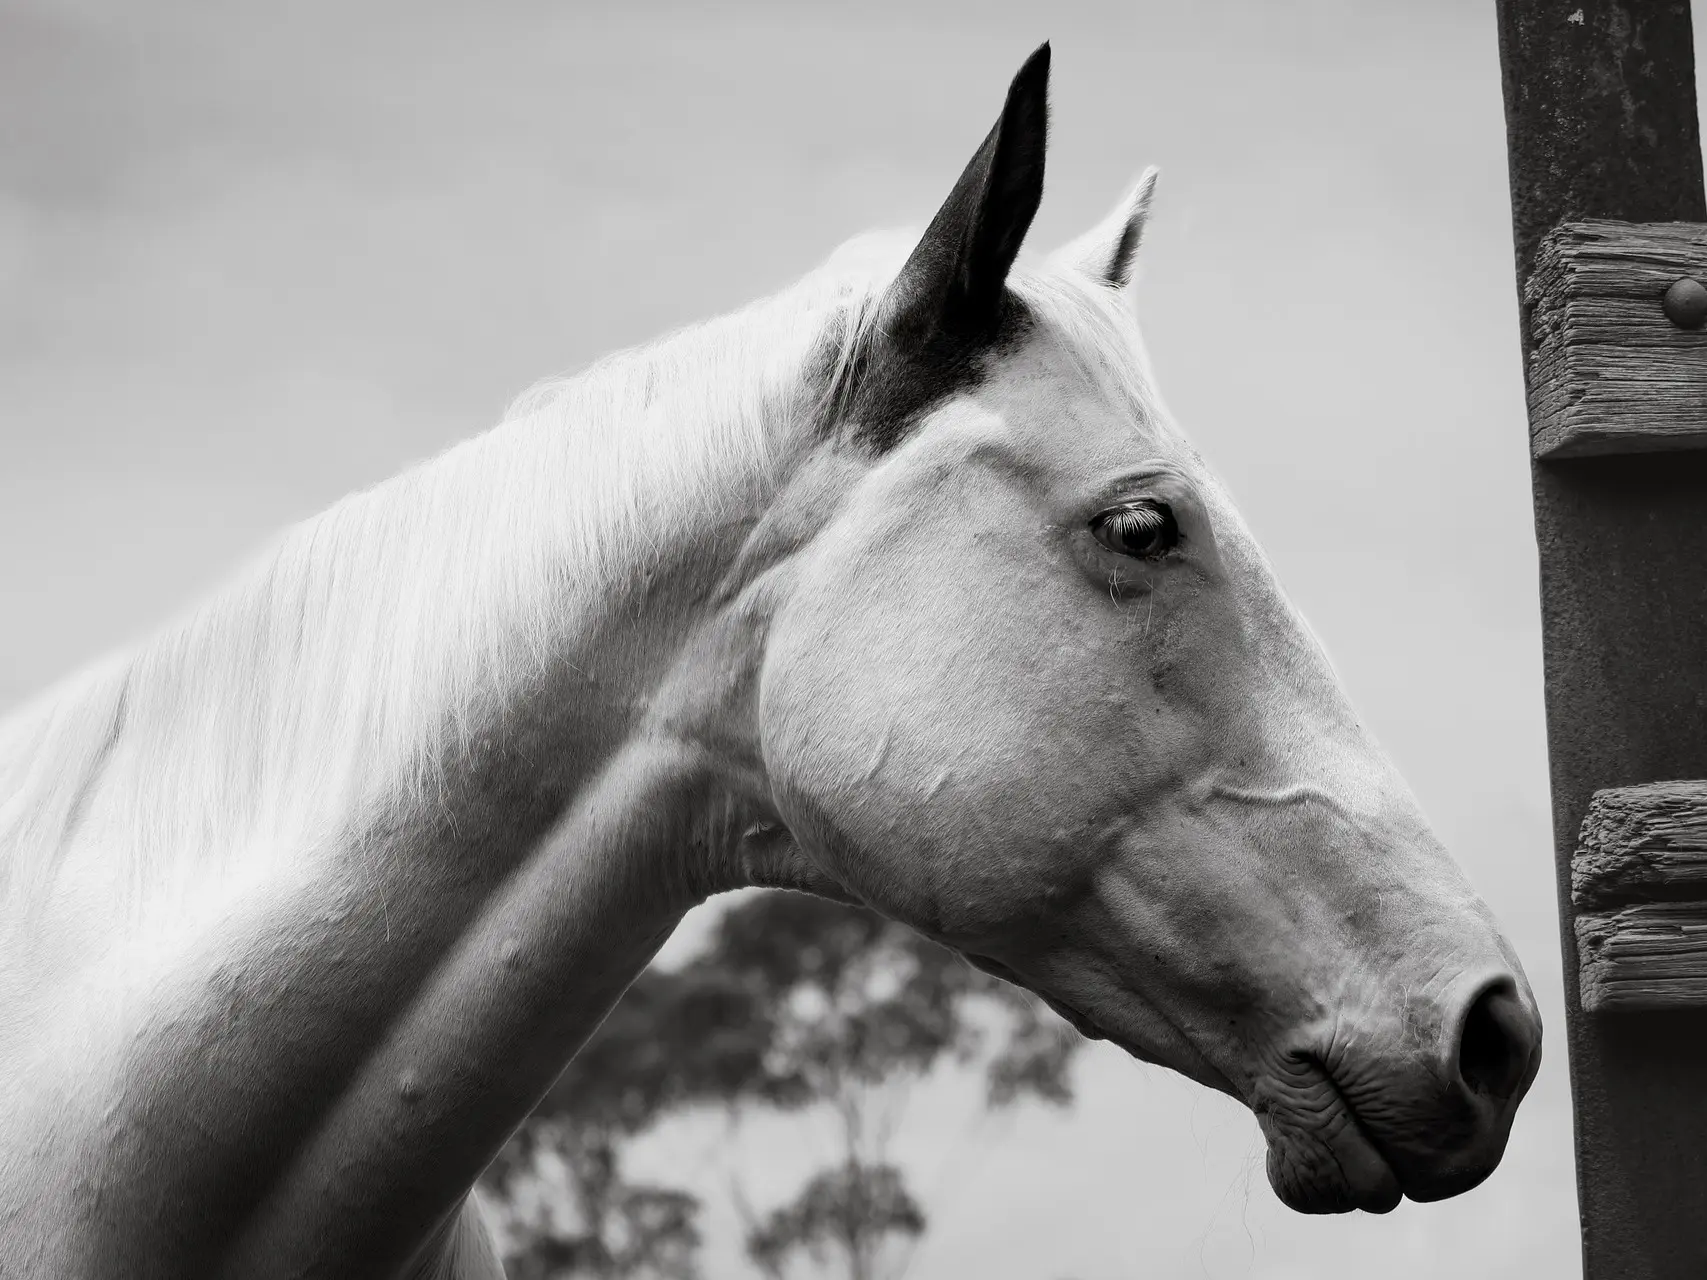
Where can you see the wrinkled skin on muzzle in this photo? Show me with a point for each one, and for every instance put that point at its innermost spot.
(1032, 689)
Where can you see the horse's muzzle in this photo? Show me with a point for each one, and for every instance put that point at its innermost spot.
(1418, 1114)
(1490, 1061)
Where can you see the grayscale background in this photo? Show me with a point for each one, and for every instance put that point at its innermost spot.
(253, 256)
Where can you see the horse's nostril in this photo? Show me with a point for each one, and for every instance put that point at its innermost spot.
(1496, 1043)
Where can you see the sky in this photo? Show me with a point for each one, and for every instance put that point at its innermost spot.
(253, 256)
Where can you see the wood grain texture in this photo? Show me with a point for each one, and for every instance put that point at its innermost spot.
(1609, 373)
(1647, 957)
(1642, 844)
(1639, 886)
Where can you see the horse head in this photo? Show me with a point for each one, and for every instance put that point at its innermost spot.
(1031, 688)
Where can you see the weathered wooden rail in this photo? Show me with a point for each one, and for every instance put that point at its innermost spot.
(1612, 372)
(1608, 215)
(1639, 891)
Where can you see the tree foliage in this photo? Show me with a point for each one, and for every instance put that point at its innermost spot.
(563, 1202)
(853, 1208)
(793, 1002)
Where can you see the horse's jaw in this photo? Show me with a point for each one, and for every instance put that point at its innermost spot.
(1395, 1073)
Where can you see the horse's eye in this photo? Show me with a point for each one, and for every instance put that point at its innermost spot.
(1145, 530)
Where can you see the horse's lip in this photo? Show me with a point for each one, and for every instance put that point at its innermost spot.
(1385, 1189)
(1371, 1199)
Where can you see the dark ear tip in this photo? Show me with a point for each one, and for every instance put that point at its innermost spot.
(1033, 75)
(1028, 94)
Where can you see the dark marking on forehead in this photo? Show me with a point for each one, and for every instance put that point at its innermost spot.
(888, 387)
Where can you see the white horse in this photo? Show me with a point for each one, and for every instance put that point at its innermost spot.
(900, 587)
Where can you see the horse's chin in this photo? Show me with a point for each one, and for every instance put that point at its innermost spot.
(1174, 1050)
(1073, 1018)
(1320, 1159)
(1180, 1055)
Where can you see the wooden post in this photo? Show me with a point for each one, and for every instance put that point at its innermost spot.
(1601, 124)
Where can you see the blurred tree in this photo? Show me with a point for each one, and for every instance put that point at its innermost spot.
(859, 1007)
(795, 1001)
(564, 1211)
(854, 1208)
(556, 1191)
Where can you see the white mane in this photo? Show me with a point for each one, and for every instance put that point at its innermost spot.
(340, 672)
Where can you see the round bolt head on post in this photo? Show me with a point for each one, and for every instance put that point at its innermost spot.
(1685, 303)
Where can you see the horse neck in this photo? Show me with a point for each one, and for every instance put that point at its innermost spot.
(487, 845)
(554, 866)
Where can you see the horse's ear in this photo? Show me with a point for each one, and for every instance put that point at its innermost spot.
(952, 284)
(1108, 252)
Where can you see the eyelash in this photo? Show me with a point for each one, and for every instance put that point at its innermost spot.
(1144, 530)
